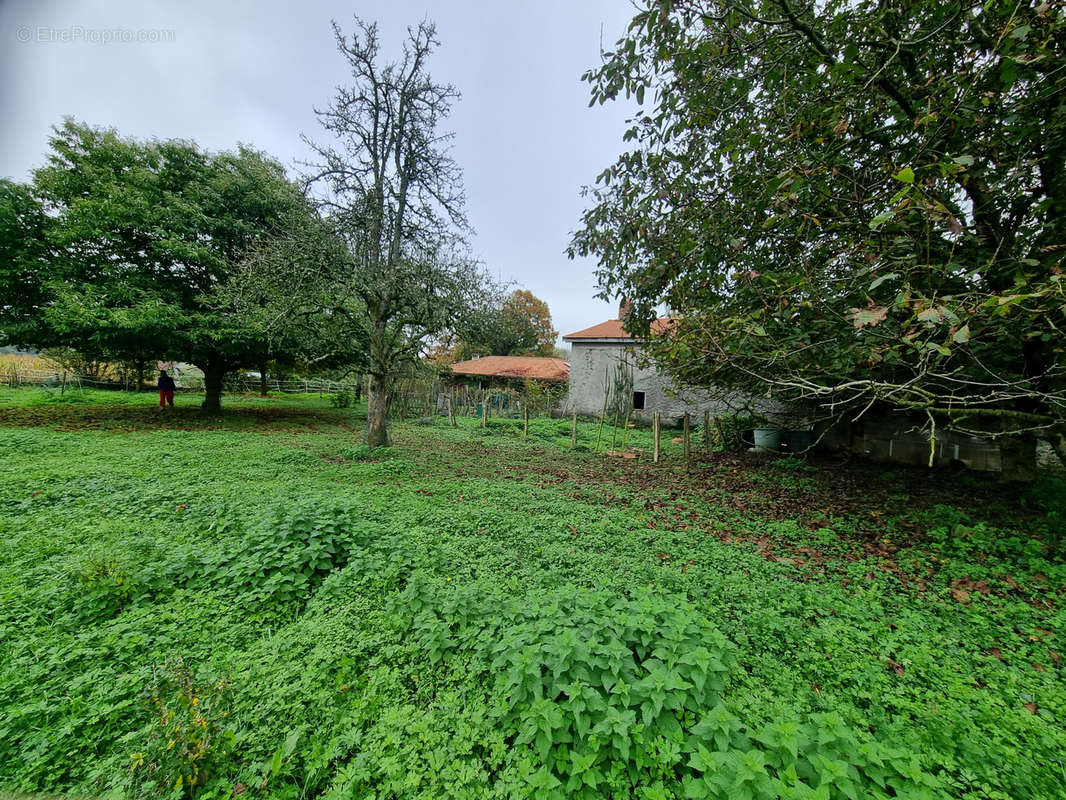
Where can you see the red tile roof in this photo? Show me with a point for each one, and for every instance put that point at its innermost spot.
(612, 329)
(533, 367)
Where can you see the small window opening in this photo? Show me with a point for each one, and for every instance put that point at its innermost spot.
(638, 401)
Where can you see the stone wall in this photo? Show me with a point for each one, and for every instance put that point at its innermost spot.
(904, 439)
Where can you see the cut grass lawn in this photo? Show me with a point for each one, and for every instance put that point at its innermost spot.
(256, 604)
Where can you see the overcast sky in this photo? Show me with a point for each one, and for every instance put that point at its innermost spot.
(229, 71)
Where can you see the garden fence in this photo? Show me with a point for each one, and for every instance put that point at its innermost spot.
(18, 376)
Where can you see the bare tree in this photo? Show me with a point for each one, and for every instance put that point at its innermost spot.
(393, 193)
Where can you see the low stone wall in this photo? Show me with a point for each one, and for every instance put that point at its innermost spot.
(903, 439)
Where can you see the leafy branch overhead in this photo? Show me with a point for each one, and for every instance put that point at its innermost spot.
(846, 205)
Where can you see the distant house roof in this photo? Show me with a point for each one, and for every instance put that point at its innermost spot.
(520, 367)
(612, 330)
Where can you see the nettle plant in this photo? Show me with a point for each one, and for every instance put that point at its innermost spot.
(103, 587)
(292, 551)
(604, 694)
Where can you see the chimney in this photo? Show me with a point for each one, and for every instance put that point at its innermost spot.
(624, 305)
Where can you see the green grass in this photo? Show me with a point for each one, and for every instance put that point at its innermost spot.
(471, 613)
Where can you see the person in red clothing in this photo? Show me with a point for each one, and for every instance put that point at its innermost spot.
(166, 389)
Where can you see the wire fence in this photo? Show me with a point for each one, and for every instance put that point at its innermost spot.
(408, 398)
(17, 376)
(243, 384)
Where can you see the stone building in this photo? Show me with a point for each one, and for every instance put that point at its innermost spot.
(603, 366)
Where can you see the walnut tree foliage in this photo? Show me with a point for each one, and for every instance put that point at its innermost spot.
(845, 204)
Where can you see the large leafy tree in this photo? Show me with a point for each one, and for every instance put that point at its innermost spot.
(526, 308)
(393, 194)
(23, 250)
(516, 324)
(136, 241)
(293, 287)
(848, 205)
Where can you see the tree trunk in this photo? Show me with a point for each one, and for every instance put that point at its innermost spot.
(377, 420)
(1018, 458)
(1058, 446)
(213, 375)
(263, 380)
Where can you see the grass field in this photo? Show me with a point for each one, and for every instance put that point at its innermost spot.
(256, 605)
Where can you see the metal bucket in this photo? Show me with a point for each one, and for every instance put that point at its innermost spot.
(767, 440)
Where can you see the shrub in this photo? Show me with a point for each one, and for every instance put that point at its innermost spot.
(602, 694)
(291, 551)
(188, 738)
(342, 398)
(103, 587)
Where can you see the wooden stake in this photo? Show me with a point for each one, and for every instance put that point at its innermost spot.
(451, 409)
(573, 430)
(484, 410)
(656, 428)
(688, 437)
(603, 415)
(707, 430)
(525, 427)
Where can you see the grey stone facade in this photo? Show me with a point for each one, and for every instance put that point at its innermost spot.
(594, 366)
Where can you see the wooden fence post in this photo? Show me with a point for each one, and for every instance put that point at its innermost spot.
(656, 429)
(525, 427)
(573, 430)
(707, 430)
(688, 437)
(603, 415)
(721, 433)
(451, 409)
(484, 410)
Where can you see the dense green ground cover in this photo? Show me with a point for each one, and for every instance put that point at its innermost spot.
(256, 605)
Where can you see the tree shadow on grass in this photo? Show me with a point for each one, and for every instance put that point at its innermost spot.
(125, 418)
